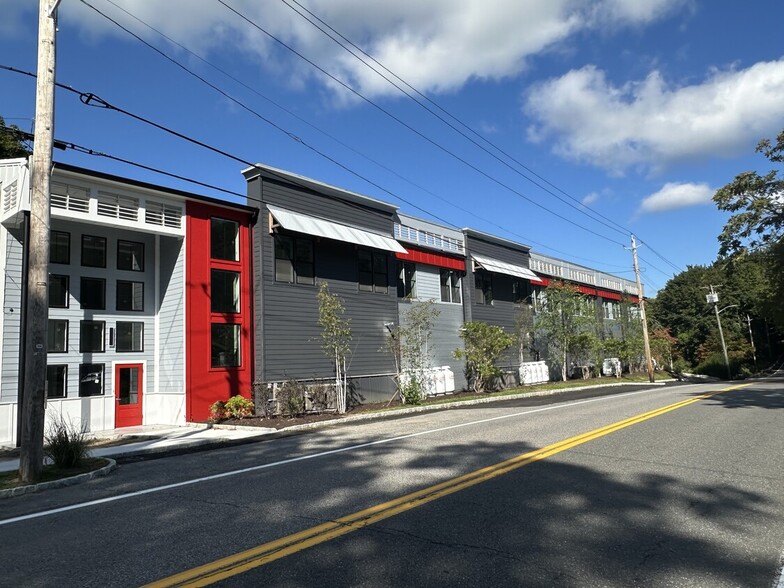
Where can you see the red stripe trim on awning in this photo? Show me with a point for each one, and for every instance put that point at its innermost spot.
(429, 258)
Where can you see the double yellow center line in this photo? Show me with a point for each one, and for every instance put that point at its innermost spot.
(268, 552)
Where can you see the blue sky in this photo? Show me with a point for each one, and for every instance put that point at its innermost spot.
(634, 110)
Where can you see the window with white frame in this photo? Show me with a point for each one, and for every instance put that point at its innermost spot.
(450, 286)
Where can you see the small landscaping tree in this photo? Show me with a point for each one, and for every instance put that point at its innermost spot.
(410, 346)
(335, 339)
(484, 345)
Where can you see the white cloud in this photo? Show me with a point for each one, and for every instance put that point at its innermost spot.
(436, 45)
(649, 123)
(677, 195)
(590, 199)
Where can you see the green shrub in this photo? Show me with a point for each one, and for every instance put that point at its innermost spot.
(218, 411)
(65, 443)
(239, 407)
(262, 395)
(291, 398)
(412, 391)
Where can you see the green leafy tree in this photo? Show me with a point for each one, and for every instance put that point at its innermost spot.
(756, 203)
(11, 144)
(567, 323)
(483, 346)
(335, 339)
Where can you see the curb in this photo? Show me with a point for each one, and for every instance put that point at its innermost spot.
(401, 412)
(100, 472)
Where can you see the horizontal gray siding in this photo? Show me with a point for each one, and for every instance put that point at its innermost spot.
(74, 314)
(171, 316)
(292, 336)
(312, 203)
(496, 251)
(11, 314)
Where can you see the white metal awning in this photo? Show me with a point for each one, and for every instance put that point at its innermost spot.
(302, 223)
(502, 267)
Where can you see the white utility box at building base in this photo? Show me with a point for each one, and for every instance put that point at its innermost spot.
(534, 372)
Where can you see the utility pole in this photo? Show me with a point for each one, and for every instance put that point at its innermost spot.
(713, 298)
(34, 400)
(648, 360)
(751, 340)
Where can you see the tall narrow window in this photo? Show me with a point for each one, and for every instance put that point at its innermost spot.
(521, 290)
(59, 247)
(130, 256)
(372, 271)
(56, 381)
(130, 296)
(224, 239)
(225, 291)
(93, 251)
(91, 379)
(91, 336)
(130, 336)
(58, 291)
(483, 282)
(450, 286)
(57, 336)
(225, 345)
(92, 293)
(406, 279)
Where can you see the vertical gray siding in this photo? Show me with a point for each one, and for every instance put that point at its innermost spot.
(11, 314)
(171, 316)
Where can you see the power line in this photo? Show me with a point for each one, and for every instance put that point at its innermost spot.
(412, 129)
(581, 208)
(89, 99)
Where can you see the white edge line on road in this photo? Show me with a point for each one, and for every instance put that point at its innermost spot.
(273, 464)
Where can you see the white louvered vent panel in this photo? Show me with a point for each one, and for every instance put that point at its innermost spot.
(116, 206)
(10, 193)
(164, 215)
(70, 198)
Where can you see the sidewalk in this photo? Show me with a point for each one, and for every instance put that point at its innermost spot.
(146, 440)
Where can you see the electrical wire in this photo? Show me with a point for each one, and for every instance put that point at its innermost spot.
(412, 129)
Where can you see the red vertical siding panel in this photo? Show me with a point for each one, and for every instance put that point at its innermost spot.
(205, 384)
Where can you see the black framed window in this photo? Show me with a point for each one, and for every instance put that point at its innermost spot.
(58, 291)
(130, 256)
(373, 271)
(91, 336)
(224, 239)
(406, 279)
(92, 293)
(294, 260)
(484, 287)
(56, 381)
(93, 251)
(130, 336)
(225, 291)
(59, 247)
(225, 345)
(57, 336)
(91, 379)
(130, 295)
(450, 286)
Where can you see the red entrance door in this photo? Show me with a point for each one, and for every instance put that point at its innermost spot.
(128, 395)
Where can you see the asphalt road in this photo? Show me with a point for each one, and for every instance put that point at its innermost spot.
(689, 496)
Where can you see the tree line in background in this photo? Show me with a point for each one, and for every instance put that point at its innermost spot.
(750, 271)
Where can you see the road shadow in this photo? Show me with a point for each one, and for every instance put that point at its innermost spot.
(754, 396)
